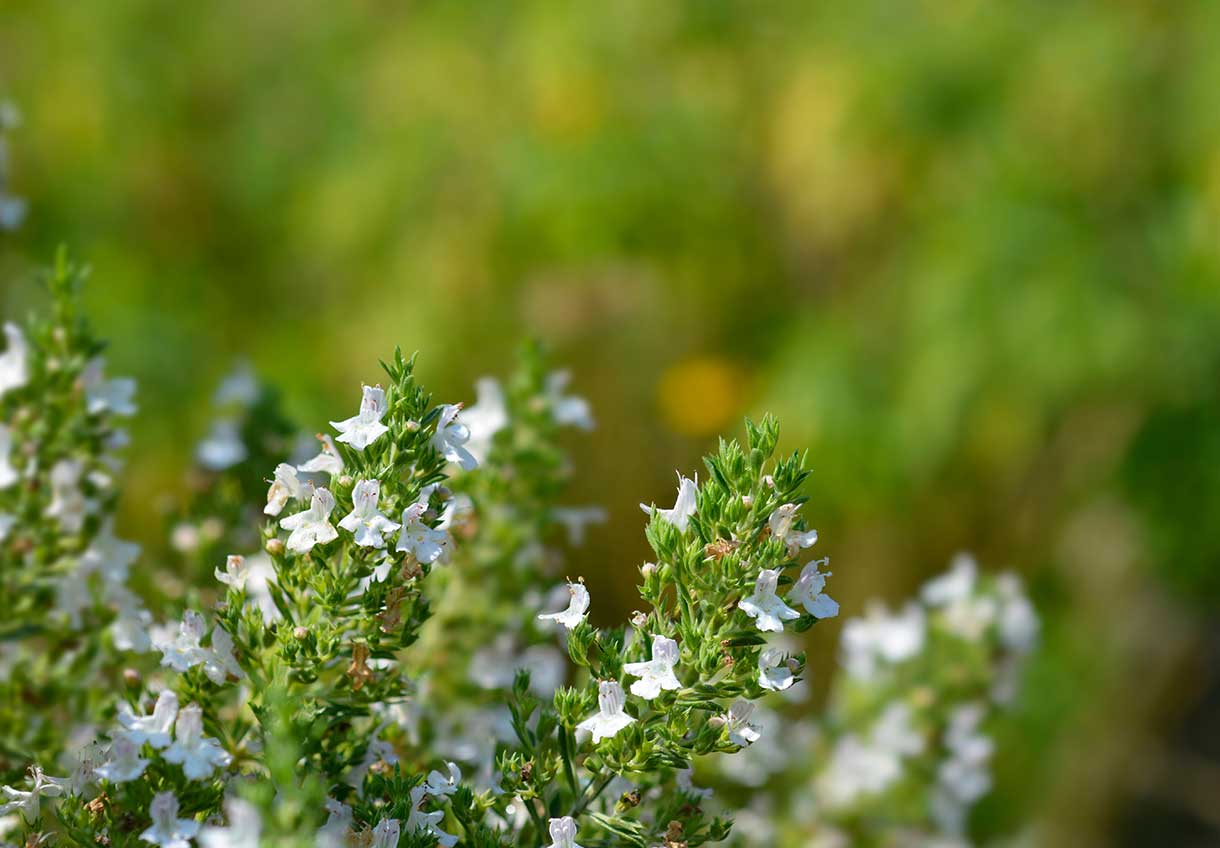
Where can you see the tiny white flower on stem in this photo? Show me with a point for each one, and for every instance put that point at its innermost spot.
(168, 831)
(102, 395)
(235, 573)
(781, 522)
(385, 833)
(238, 388)
(182, 650)
(245, 827)
(109, 556)
(563, 832)
(219, 661)
(610, 717)
(684, 506)
(774, 671)
(68, 505)
(957, 584)
(312, 526)
(426, 544)
(123, 761)
(153, 728)
(286, 485)
(8, 474)
(451, 437)
(421, 822)
(808, 591)
(567, 409)
(129, 629)
(576, 518)
(222, 447)
(198, 755)
(578, 607)
(14, 362)
(364, 428)
(327, 461)
(365, 520)
(338, 823)
(488, 416)
(737, 720)
(444, 784)
(27, 801)
(656, 674)
(764, 606)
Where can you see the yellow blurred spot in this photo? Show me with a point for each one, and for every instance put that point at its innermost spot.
(701, 396)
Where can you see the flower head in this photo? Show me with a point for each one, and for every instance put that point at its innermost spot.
(109, 556)
(385, 833)
(235, 573)
(808, 592)
(68, 505)
(451, 437)
(422, 822)
(439, 785)
(182, 650)
(286, 485)
(563, 832)
(167, 829)
(14, 362)
(28, 801)
(327, 461)
(123, 761)
(684, 506)
(365, 519)
(775, 671)
(102, 395)
(567, 409)
(610, 717)
(764, 606)
(426, 544)
(488, 416)
(578, 607)
(153, 728)
(222, 447)
(312, 526)
(245, 827)
(656, 674)
(198, 755)
(737, 720)
(364, 428)
(780, 523)
(8, 474)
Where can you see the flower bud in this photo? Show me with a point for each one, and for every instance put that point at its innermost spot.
(300, 633)
(346, 480)
(648, 569)
(131, 677)
(412, 426)
(747, 501)
(274, 546)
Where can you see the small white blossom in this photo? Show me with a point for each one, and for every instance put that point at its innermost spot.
(102, 395)
(245, 827)
(764, 606)
(610, 717)
(781, 521)
(109, 556)
(440, 785)
(365, 520)
(1018, 619)
(880, 636)
(14, 362)
(338, 823)
(956, 584)
(451, 437)
(567, 409)
(68, 504)
(168, 831)
(737, 720)
(860, 767)
(656, 674)
(222, 447)
(563, 832)
(182, 650)
(576, 518)
(286, 485)
(129, 629)
(426, 544)
(8, 474)
(963, 777)
(153, 728)
(385, 833)
(364, 428)
(775, 672)
(684, 506)
(578, 607)
(28, 801)
(808, 592)
(327, 461)
(123, 761)
(239, 388)
(488, 416)
(198, 755)
(6, 524)
(421, 822)
(312, 526)
(219, 662)
(235, 573)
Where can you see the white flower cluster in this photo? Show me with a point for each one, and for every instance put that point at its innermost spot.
(12, 208)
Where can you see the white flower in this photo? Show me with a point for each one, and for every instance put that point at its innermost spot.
(260, 574)
(775, 671)
(123, 761)
(563, 832)
(6, 524)
(610, 717)
(684, 506)
(1018, 619)
(239, 388)
(245, 827)
(129, 629)
(68, 505)
(327, 461)
(235, 573)
(488, 416)
(808, 592)
(954, 585)
(198, 755)
(658, 673)
(426, 544)
(385, 834)
(963, 777)
(576, 518)
(451, 437)
(333, 834)
(444, 784)
(781, 521)
(421, 822)
(153, 728)
(894, 731)
(364, 428)
(737, 720)
(882, 636)
(222, 447)
(286, 485)
(567, 409)
(182, 650)
(27, 802)
(219, 661)
(167, 829)
(311, 527)
(764, 606)
(8, 474)
(102, 395)
(14, 362)
(365, 520)
(578, 606)
(863, 767)
(109, 556)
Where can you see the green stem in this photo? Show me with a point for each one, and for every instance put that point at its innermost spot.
(565, 749)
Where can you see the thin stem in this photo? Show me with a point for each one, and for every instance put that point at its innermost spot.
(565, 749)
(589, 797)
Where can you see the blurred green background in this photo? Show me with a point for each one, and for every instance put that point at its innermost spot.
(968, 252)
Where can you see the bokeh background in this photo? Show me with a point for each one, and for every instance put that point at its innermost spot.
(968, 252)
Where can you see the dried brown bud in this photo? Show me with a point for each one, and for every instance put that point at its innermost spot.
(359, 671)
